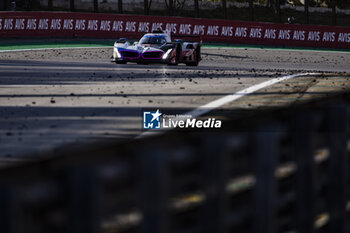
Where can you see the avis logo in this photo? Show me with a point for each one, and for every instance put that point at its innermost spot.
(152, 120)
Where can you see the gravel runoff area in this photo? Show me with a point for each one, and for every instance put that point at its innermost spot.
(65, 97)
(239, 58)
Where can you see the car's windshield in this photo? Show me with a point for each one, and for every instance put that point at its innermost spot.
(152, 39)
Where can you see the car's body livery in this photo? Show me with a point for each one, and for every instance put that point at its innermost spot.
(157, 47)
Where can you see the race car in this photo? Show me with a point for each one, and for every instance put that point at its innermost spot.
(157, 47)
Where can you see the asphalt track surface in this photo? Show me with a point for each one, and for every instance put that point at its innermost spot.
(58, 98)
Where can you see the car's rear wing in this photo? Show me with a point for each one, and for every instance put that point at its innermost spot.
(192, 38)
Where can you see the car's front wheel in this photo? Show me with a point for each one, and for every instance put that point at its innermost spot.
(174, 60)
(196, 58)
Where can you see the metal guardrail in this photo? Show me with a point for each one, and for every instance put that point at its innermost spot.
(280, 171)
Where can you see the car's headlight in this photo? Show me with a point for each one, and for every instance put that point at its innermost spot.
(118, 53)
(166, 55)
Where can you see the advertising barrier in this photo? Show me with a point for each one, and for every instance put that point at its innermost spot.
(61, 24)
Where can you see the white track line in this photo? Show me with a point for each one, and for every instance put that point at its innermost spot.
(235, 96)
(227, 99)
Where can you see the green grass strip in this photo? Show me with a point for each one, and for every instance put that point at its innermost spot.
(241, 46)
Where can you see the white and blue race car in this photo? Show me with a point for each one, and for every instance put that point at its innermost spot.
(157, 47)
